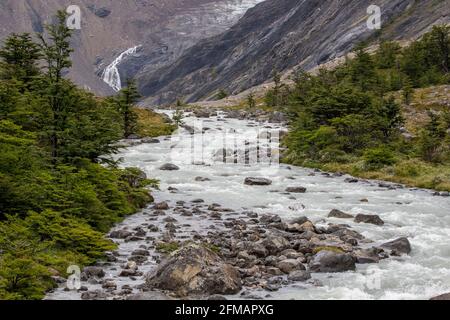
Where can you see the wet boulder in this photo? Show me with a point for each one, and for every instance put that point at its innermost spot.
(400, 245)
(275, 244)
(93, 272)
(369, 218)
(330, 261)
(257, 181)
(195, 269)
(161, 206)
(169, 167)
(289, 265)
(296, 189)
(299, 275)
(339, 214)
(120, 234)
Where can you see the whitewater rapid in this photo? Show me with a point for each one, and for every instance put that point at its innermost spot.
(409, 212)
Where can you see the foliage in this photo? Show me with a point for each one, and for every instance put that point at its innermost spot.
(56, 198)
(348, 118)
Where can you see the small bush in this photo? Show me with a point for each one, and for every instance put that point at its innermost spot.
(379, 157)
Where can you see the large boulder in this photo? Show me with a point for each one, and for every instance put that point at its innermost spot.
(339, 214)
(257, 181)
(290, 265)
(369, 218)
(93, 272)
(400, 245)
(197, 270)
(275, 244)
(330, 261)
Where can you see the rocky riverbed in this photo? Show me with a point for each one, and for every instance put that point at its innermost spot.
(249, 230)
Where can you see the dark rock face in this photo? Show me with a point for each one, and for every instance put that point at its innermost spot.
(329, 261)
(400, 245)
(257, 182)
(281, 33)
(195, 270)
(339, 214)
(369, 218)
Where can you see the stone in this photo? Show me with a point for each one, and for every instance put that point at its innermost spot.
(169, 167)
(299, 275)
(400, 245)
(94, 295)
(329, 261)
(369, 218)
(275, 244)
(195, 269)
(140, 252)
(120, 234)
(257, 181)
(289, 265)
(161, 206)
(95, 272)
(339, 214)
(296, 189)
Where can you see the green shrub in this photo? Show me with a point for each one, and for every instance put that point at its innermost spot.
(379, 157)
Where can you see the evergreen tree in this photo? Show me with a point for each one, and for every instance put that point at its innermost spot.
(19, 59)
(251, 103)
(407, 91)
(56, 51)
(126, 101)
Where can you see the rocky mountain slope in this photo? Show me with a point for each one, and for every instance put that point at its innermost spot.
(162, 29)
(280, 35)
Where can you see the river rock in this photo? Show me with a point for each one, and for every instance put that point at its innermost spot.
(369, 218)
(289, 265)
(120, 234)
(169, 167)
(299, 275)
(94, 295)
(400, 245)
(95, 272)
(195, 269)
(296, 189)
(257, 181)
(161, 206)
(339, 214)
(275, 244)
(329, 261)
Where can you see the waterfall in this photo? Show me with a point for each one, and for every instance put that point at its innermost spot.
(111, 73)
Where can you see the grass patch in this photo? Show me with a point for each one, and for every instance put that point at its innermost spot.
(167, 247)
(153, 124)
(413, 173)
(327, 248)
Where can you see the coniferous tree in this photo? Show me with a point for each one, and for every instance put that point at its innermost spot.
(126, 101)
(56, 51)
(19, 58)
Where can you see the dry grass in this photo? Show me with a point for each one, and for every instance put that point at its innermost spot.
(152, 124)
